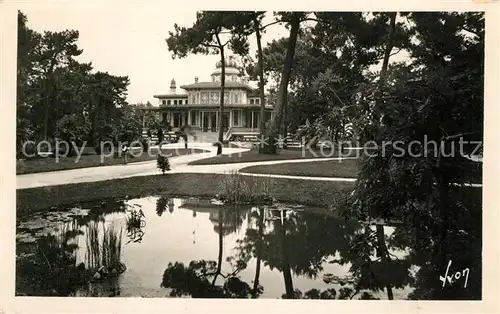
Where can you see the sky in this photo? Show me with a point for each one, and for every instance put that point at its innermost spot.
(129, 39)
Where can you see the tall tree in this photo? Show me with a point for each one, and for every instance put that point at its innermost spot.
(57, 49)
(206, 36)
(293, 19)
(437, 98)
(251, 23)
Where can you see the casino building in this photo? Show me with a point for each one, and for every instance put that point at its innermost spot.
(197, 104)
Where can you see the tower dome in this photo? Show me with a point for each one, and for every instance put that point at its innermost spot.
(230, 63)
(231, 69)
(172, 86)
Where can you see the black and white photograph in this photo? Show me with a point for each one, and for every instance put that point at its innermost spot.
(164, 151)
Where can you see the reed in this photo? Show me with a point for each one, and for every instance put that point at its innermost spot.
(235, 188)
(105, 252)
(93, 253)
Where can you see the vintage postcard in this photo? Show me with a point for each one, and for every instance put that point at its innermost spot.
(301, 159)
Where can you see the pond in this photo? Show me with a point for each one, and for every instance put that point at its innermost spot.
(170, 247)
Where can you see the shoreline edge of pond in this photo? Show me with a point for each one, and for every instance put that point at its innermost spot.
(305, 192)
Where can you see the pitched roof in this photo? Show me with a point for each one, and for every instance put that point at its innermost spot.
(209, 85)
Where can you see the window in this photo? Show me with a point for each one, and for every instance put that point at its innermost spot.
(251, 101)
(226, 97)
(175, 101)
(257, 101)
(163, 102)
(236, 117)
(194, 116)
(168, 102)
(214, 97)
(186, 101)
(204, 97)
(236, 98)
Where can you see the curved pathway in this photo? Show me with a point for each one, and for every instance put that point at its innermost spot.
(178, 164)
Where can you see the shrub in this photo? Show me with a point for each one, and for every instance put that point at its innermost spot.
(162, 163)
(30, 149)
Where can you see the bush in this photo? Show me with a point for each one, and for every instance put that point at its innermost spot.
(162, 163)
(30, 149)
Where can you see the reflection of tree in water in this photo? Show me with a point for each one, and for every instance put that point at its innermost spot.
(302, 243)
(171, 205)
(461, 243)
(199, 278)
(227, 221)
(440, 222)
(101, 209)
(161, 205)
(299, 244)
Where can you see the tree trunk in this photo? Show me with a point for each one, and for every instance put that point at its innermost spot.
(219, 259)
(285, 124)
(259, 254)
(50, 94)
(383, 71)
(283, 89)
(388, 47)
(383, 252)
(222, 89)
(285, 267)
(46, 119)
(261, 77)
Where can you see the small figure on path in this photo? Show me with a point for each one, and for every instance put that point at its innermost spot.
(125, 150)
(160, 136)
(184, 132)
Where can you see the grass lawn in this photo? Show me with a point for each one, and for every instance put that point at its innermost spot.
(90, 160)
(322, 168)
(315, 193)
(253, 155)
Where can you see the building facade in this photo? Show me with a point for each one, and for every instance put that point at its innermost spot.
(197, 104)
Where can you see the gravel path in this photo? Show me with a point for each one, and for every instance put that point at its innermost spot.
(178, 164)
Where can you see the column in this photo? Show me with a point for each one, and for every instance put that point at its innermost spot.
(189, 117)
(252, 119)
(231, 113)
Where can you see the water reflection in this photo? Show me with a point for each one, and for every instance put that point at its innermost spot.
(203, 250)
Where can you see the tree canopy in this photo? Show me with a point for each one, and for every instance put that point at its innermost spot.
(61, 97)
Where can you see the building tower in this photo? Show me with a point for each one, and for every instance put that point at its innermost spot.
(172, 86)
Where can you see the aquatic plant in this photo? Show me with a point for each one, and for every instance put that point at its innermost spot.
(93, 253)
(51, 269)
(236, 188)
(103, 251)
(111, 247)
(135, 221)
